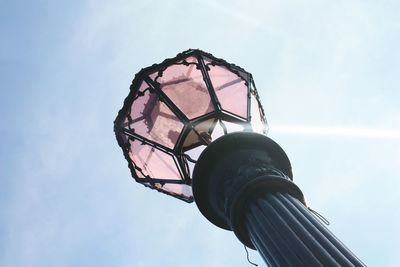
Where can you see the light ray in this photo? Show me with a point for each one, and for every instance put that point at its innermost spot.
(336, 131)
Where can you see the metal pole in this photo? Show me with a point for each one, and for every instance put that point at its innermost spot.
(243, 182)
(286, 234)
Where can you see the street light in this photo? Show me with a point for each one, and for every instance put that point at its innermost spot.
(193, 127)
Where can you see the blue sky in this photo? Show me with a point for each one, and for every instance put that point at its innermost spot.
(65, 67)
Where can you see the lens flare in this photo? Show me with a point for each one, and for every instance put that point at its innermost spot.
(336, 131)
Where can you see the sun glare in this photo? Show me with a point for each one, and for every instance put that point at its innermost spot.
(336, 131)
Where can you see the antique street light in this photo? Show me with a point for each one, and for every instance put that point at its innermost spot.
(193, 127)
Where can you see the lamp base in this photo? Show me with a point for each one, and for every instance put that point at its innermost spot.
(243, 182)
(243, 162)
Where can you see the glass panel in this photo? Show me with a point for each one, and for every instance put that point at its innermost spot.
(257, 121)
(229, 127)
(177, 189)
(194, 154)
(202, 128)
(152, 162)
(185, 86)
(152, 119)
(235, 127)
(230, 89)
(218, 132)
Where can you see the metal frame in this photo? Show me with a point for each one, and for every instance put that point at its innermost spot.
(178, 152)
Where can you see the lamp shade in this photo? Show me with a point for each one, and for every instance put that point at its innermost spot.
(175, 109)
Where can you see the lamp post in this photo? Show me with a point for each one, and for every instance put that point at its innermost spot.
(193, 127)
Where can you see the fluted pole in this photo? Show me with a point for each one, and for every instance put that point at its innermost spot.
(285, 233)
(243, 182)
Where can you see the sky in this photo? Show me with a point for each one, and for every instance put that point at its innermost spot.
(328, 73)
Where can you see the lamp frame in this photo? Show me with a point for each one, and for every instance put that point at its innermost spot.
(219, 115)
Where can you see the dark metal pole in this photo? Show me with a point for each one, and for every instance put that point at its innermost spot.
(286, 234)
(243, 182)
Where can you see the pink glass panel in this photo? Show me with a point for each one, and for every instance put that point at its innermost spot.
(185, 86)
(230, 89)
(153, 162)
(153, 120)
